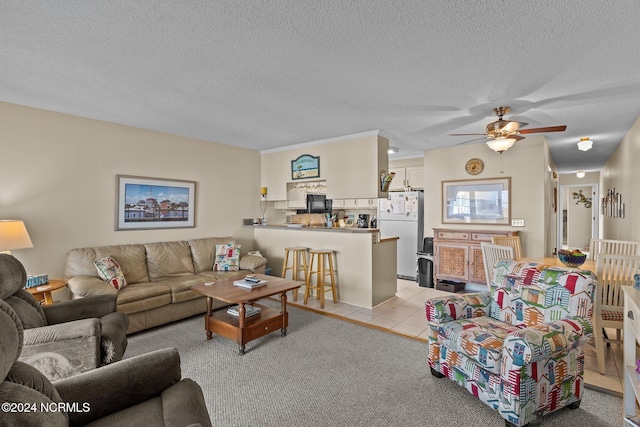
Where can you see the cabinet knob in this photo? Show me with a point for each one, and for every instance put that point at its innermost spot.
(630, 314)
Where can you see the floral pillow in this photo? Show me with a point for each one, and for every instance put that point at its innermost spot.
(227, 257)
(109, 270)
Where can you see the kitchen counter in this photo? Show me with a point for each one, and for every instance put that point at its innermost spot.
(366, 266)
(316, 228)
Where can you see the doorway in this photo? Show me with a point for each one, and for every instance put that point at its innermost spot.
(577, 216)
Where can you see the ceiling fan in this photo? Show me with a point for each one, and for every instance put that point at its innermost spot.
(502, 134)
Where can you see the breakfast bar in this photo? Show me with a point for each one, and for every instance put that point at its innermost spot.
(366, 265)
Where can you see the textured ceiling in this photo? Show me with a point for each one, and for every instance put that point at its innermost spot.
(267, 74)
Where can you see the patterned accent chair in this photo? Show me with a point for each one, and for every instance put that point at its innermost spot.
(519, 346)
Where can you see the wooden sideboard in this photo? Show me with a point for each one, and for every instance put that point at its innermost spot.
(457, 254)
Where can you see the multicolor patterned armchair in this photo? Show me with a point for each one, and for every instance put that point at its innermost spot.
(519, 346)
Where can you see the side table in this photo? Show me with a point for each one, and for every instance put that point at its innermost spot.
(42, 293)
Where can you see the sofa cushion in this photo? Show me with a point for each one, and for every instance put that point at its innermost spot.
(227, 257)
(131, 258)
(203, 251)
(109, 270)
(168, 259)
(181, 287)
(141, 291)
(480, 339)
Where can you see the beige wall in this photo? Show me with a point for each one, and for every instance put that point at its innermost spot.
(406, 163)
(622, 173)
(569, 183)
(58, 174)
(578, 219)
(526, 163)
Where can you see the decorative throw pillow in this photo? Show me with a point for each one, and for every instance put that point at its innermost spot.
(109, 270)
(227, 257)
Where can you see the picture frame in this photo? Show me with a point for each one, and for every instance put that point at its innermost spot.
(477, 201)
(305, 166)
(145, 203)
(350, 220)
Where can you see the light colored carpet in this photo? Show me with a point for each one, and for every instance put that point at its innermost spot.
(328, 372)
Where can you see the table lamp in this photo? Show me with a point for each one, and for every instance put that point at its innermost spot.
(263, 203)
(13, 235)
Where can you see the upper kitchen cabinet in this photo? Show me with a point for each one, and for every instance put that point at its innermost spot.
(411, 176)
(351, 166)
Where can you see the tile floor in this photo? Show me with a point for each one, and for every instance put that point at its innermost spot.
(405, 315)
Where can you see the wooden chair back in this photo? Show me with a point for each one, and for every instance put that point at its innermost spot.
(491, 254)
(513, 241)
(613, 272)
(612, 247)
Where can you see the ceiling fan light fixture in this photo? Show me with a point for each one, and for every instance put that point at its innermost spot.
(580, 174)
(393, 150)
(501, 144)
(585, 144)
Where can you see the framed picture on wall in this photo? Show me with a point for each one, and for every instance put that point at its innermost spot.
(305, 166)
(144, 203)
(477, 201)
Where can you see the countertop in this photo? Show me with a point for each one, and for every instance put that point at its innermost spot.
(316, 228)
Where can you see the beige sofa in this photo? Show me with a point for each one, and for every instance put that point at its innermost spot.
(159, 277)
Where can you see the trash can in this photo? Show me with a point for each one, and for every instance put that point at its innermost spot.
(425, 270)
(425, 264)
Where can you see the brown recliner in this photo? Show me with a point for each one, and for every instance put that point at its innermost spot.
(65, 338)
(143, 390)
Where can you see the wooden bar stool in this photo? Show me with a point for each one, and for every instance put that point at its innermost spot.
(321, 257)
(298, 265)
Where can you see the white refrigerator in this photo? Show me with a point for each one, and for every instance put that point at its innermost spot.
(401, 215)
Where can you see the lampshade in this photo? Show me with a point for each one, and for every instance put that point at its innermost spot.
(580, 174)
(585, 144)
(501, 144)
(13, 235)
(393, 150)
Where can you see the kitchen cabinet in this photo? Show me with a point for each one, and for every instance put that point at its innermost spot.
(458, 254)
(355, 203)
(415, 177)
(407, 177)
(367, 203)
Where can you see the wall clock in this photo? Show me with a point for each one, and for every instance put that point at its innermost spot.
(474, 166)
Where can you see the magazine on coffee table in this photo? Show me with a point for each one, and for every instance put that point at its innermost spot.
(249, 284)
(249, 310)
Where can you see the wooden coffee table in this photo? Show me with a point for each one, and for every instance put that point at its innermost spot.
(243, 329)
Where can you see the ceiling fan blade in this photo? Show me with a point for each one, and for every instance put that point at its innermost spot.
(540, 130)
(513, 126)
(467, 134)
(472, 140)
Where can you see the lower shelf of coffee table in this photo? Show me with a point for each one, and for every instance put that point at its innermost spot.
(228, 326)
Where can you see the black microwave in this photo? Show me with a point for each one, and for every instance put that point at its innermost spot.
(318, 203)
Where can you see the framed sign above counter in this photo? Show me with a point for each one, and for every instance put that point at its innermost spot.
(305, 166)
